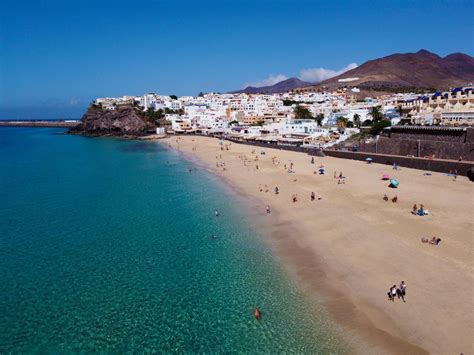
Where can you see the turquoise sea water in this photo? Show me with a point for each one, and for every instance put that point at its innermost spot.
(105, 245)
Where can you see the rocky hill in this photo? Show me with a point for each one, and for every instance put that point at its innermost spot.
(422, 69)
(125, 120)
(281, 86)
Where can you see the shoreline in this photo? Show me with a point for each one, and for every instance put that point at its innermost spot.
(366, 325)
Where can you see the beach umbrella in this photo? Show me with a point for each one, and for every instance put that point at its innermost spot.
(368, 160)
(394, 183)
(385, 177)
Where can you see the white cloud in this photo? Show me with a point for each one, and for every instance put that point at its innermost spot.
(312, 75)
(315, 75)
(271, 80)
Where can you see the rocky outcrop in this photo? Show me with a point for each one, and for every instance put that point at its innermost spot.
(123, 121)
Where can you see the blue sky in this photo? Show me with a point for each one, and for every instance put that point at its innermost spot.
(56, 56)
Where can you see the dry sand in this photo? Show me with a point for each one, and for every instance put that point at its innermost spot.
(349, 247)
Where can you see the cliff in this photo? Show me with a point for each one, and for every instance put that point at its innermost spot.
(125, 120)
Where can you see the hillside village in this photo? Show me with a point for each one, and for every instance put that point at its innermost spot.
(319, 119)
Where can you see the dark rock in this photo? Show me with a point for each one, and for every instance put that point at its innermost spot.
(124, 121)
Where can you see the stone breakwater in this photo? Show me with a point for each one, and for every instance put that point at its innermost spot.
(34, 123)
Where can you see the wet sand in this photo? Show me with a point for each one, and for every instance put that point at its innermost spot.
(350, 246)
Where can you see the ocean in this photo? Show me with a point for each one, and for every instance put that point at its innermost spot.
(107, 245)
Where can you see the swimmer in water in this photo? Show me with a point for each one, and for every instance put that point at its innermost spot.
(256, 313)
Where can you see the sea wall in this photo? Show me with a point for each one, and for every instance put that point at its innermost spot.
(421, 148)
(438, 165)
(439, 142)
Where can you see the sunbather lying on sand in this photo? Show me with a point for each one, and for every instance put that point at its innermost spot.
(432, 241)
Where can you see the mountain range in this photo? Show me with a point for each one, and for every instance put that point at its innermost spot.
(422, 69)
(281, 86)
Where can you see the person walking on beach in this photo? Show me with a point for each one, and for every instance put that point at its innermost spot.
(392, 293)
(313, 196)
(403, 290)
(276, 190)
(269, 210)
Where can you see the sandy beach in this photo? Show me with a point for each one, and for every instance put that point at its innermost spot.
(348, 246)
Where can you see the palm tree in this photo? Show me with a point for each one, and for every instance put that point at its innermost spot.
(319, 119)
(376, 113)
(301, 112)
(356, 119)
(341, 122)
